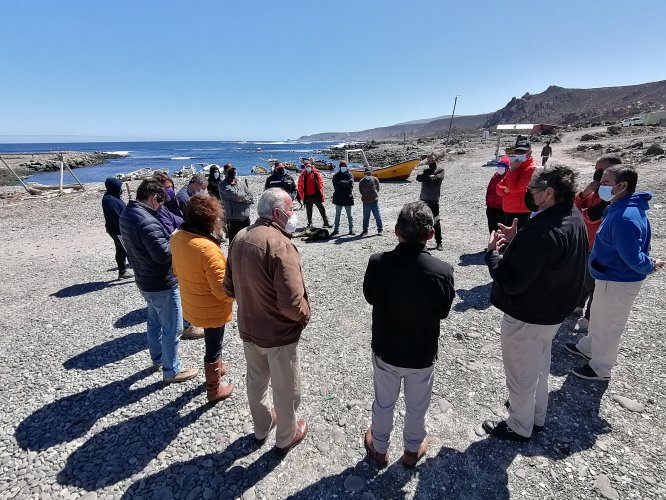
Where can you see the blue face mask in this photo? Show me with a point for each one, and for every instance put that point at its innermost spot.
(343, 169)
(606, 193)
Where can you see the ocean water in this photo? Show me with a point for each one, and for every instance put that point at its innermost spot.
(169, 155)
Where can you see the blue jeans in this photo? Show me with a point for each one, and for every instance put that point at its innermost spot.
(374, 208)
(165, 326)
(338, 211)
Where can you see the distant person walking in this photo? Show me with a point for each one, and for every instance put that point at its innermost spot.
(513, 186)
(311, 191)
(536, 283)
(546, 153)
(592, 207)
(343, 197)
(264, 274)
(410, 292)
(431, 189)
(369, 189)
(112, 207)
(237, 199)
(199, 266)
(494, 212)
(147, 245)
(619, 262)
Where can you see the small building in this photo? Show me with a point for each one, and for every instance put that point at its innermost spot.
(654, 117)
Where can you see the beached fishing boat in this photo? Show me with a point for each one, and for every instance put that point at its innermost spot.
(287, 164)
(318, 164)
(397, 172)
(186, 171)
(136, 175)
(259, 170)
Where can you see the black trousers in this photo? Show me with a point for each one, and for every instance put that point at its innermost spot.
(314, 200)
(495, 216)
(213, 338)
(522, 217)
(234, 226)
(434, 207)
(121, 254)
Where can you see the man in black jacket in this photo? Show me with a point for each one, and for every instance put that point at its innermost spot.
(281, 179)
(536, 284)
(411, 292)
(431, 189)
(147, 245)
(112, 207)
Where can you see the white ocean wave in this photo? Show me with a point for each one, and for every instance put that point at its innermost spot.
(121, 153)
(182, 157)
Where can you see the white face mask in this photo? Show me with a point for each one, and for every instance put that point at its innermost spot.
(308, 169)
(291, 224)
(606, 193)
(216, 175)
(520, 158)
(343, 169)
(501, 170)
(202, 192)
(367, 176)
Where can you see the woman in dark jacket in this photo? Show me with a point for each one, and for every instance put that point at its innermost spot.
(343, 187)
(214, 181)
(113, 206)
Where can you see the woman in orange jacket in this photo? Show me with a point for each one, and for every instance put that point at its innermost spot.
(199, 265)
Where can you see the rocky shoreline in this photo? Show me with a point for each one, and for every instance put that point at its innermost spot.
(25, 164)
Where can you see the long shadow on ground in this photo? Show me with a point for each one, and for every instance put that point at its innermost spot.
(132, 318)
(71, 417)
(472, 259)
(124, 449)
(108, 352)
(212, 472)
(83, 288)
(475, 298)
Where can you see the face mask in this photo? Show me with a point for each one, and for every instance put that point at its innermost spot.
(501, 170)
(598, 174)
(231, 174)
(292, 224)
(280, 170)
(170, 193)
(529, 201)
(216, 175)
(367, 176)
(432, 166)
(308, 169)
(201, 192)
(606, 193)
(520, 158)
(343, 169)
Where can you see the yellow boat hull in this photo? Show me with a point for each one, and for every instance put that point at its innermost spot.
(398, 172)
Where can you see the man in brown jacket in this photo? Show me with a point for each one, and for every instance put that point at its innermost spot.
(264, 275)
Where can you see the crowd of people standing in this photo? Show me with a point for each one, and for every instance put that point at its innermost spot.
(547, 243)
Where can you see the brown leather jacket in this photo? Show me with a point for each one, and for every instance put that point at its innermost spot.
(264, 275)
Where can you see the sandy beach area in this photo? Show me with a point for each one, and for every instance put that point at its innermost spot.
(83, 417)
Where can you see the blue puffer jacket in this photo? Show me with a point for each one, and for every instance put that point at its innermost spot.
(621, 250)
(147, 245)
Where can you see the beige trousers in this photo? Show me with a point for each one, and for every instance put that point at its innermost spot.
(526, 356)
(610, 310)
(281, 366)
(418, 391)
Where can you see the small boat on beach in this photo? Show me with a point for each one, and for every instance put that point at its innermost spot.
(287, 164)
(186, 171)
(318, 164)
(259, 170)
(397, 172)
(142, 173)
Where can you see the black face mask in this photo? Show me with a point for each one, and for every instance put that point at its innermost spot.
(529, 202)
(597, 175)
(231, 174)
(280, 170)
(432, 166)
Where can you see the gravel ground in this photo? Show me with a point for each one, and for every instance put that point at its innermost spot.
(84, 418)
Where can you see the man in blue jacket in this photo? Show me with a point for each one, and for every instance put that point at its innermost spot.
(112, 207)
(619, 263)
(147, 245)
(536, 283)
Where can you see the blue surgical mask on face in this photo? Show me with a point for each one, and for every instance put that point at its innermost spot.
(343, 169)
(606, 193)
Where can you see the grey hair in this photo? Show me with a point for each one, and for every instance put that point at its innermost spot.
(198, 179)
(415, 221)
(271, 199)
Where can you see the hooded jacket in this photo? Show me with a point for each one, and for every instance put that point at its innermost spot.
(112, 205)
(281, 180)
(431, 183)
(343, 187)
(516, 181)
(213, 183)
(621, 250)
(199, 265)
(236, 198)
(147, 245)
(539, 278)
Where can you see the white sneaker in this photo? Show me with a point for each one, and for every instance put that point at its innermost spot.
(581, 325)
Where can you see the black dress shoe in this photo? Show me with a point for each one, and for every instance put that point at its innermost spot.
(501, 430)
(535, 427)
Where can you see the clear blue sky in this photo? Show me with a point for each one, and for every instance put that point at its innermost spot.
(225, 70)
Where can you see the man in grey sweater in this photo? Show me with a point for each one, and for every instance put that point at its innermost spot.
(369, 188)
(236, 198)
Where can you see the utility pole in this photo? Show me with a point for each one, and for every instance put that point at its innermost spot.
(452, 115)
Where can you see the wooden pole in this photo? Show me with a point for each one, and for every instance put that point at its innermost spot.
(77, 179)
(62, 171)
(15, 174)
(129, 193)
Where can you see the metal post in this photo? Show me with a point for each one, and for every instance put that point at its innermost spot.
(16, 175)
(451, 122)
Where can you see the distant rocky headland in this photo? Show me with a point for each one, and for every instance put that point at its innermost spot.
(25, 164)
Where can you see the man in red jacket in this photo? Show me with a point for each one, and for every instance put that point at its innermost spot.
(592, 207)
(513, 186)
(311, 191)
(494, 212)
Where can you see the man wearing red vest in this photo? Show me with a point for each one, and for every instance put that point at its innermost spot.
(513, 186)
(311, 191)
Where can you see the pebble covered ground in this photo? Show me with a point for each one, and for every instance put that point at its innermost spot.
(84, 418)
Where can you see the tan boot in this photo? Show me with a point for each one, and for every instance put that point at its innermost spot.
(192, 332)
(214, 388)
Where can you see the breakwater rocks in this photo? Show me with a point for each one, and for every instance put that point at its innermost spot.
(72, 159)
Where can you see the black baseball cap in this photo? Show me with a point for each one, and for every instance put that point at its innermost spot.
(523, 145)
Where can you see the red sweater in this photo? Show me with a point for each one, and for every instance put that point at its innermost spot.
(493, 200)
(592, 225)
(515, 182)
